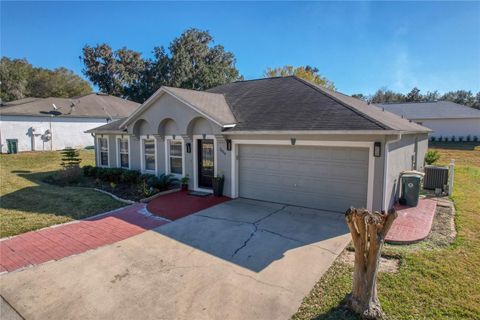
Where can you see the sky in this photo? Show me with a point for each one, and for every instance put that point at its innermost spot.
(360, 46)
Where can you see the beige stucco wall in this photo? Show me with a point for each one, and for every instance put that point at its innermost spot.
(400, 158)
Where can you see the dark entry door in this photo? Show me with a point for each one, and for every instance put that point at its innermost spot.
(12, 145)
(205, 163)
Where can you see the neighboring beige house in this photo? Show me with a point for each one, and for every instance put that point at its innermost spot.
(282, 140)
(446, 119)
(42, 124)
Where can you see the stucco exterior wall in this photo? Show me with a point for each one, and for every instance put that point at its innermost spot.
(400, 158)
(66, 132)
(452, 127)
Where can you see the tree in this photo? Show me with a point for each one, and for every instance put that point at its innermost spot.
(112, 71)
(195, 64)
(192, 63)
(19, 79)
(461, 97)
(60, 82)
(14, 75)
(155, 75)
(305, 72)
(70, 158)
(387, 96)
(359, 96)
(368, 231)
(414, 96)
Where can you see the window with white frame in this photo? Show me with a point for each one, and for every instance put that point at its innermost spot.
(103, 147)
(175, 154)
(123, 152)
(149, 154)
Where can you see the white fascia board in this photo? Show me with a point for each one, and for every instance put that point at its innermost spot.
(311, 132)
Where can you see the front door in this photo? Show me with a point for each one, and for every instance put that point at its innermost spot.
(205, 163)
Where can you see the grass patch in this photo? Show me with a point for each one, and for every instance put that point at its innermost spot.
(442, 283)
(28, 204)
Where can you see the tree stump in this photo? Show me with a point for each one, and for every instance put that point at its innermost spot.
(368, 230)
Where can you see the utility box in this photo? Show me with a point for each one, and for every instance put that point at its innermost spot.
(410, 190)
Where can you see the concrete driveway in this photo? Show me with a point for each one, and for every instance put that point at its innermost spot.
(241, 259)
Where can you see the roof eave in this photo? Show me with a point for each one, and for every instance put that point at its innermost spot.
(326, 132)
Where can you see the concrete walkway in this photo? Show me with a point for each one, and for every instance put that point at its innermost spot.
(413, 224)
(58, 242)
(238, 260)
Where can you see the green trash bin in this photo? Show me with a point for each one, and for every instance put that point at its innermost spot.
(410, 189)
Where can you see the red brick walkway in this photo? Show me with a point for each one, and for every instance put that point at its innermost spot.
(179, 204)
(413, 223)
(61, 241)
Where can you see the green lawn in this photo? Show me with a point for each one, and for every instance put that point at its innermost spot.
(431, 284)
(27, 204)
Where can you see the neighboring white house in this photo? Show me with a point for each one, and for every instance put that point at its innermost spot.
(445, 118)
(41, 124)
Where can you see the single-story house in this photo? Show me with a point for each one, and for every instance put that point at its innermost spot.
(446, 119)
(41, 124)
(281, 139)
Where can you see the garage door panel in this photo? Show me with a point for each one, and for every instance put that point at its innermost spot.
(327, 178)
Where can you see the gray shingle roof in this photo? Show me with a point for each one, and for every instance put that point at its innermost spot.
(291, 103)
(211, 104)
(92, 105)
(112, 126)
(431, 110)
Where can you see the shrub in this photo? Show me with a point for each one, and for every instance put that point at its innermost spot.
(469, 138)
(475, 138)
(88, 171)
(431, 157)
(130, 176)
(432, 139)
(453, 139)
(114, 174)
(101, 173)
(460, 139)
(150, 180)
(66, 177)
(440, 139)
(166, 181)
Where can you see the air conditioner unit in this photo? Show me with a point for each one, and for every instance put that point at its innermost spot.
(435, 178)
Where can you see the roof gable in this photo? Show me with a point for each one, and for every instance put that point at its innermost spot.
(212, 106)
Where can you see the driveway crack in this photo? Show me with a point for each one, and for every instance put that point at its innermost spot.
(299, 241)
(223, 219)
(246, 241)
(262, 282)
(255, 229)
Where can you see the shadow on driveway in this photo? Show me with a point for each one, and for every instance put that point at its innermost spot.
(253, 234)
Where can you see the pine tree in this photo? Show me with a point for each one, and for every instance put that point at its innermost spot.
(70, 158)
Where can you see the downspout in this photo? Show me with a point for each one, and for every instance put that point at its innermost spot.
(51, 134)
(385, 170)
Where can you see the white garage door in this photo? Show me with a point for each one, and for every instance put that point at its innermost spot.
(328, 178)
